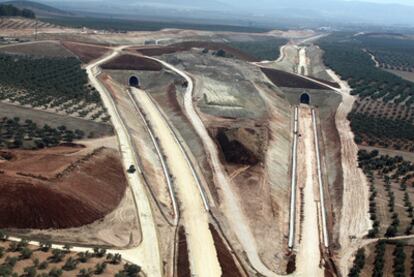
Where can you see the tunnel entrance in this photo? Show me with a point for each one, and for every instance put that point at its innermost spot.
(134, 81)
(305, 99)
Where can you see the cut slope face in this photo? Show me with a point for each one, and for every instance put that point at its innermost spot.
(59, 188)
(85, 52)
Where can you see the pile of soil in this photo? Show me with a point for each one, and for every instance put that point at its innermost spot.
(187, 45)
(289, 80)
(86, 53)
(234, 151)
(59, 188)
(131, 62)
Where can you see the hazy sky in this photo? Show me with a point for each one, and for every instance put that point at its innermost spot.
(404, 2)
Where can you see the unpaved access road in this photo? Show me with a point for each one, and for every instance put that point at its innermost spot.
(303, 62)
(354, 219)
(202, 252)
(231, 205)
(147, 254)
(309, 256)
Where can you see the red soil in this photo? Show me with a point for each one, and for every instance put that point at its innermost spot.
(131, 62)
(59, 188)
(285, 79)
(187, 45)
(85, 52)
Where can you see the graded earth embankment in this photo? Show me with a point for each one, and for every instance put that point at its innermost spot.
(131, 62)
(187, 45)
(58, 188)
(85, 52)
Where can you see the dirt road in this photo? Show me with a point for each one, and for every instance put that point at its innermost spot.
(354, 220)
(373, 58)
(303, 62)
(161, 158)
(231, 205)
(309, 257)
(202, 252)
(147, 254)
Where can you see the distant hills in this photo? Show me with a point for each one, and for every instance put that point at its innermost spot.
(38, 8)
(261, 13)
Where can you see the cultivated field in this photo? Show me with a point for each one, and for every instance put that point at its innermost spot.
(385, 258)
(17, 23)
(21, 259)
(55, 84)
(391, 193)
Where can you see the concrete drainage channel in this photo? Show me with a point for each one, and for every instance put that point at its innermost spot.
(161, 158)
(292, 215)
(320, 182)
(292, 212)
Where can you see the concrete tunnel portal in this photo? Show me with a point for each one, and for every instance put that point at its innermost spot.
(134, 81)
(305, 98)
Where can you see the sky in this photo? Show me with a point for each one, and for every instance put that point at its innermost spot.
(299, 12)
(403, 2)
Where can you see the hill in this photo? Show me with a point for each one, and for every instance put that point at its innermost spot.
(39, 9)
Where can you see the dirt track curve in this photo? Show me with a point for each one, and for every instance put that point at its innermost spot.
(147, 254)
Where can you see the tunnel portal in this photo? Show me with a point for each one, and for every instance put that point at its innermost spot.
(305, 99)
(134, 81)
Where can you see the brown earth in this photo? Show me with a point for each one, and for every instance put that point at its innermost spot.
(183, 263)
(285, 79)
(59, 188)
(329, 83)
(187, 45)
(228, 264)
(85, 52)
(132, 62)
(234, 151)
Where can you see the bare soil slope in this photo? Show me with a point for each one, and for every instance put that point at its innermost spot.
(187, 45)
(85, 52)
(131, 62)
(58, 188)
